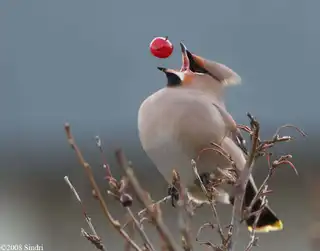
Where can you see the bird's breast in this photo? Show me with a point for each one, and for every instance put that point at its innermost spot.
(174, 126)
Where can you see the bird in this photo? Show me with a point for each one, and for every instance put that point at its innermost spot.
(187, 115)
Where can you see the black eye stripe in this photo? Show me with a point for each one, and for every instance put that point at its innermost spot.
(173, 79)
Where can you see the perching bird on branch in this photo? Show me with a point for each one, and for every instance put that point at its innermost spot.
(180, 120)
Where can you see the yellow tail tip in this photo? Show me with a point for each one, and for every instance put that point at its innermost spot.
(277, 226)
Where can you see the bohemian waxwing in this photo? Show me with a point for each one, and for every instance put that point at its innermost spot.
(180, 120)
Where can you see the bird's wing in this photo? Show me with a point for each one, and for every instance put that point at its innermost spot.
(240, 141)
(222, 73)
(231, 126)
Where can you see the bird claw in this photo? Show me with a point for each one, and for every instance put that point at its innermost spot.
(174, 193)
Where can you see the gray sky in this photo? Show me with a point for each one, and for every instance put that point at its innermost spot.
(88, 62)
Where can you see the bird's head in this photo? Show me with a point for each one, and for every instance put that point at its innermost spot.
(199, 73)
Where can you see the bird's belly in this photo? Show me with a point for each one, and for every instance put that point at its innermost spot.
(174, 126)
(169, 156)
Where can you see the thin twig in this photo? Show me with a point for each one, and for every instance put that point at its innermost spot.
(206, 243)
(260, 190)
(95, 240)
(131, 231)
(105, 163)
(253, 239)
(95, 187)
(245, 174)
(218, 149)
(184, 225)
(163, 200)
(241, 185)
(142, 233)
(213, 207)
(203, 226)
(159, 224)
(291, 126)
(87, 218)
(120, 194)
(184, 213)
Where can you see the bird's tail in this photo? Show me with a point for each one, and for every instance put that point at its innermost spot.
(268, 221)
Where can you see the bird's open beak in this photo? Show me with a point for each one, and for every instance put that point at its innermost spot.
(196, 64)
(191, 64)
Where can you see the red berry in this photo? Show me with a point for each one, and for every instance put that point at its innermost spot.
(161, 47)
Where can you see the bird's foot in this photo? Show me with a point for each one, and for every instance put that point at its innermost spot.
(174, 193)
(205, 179)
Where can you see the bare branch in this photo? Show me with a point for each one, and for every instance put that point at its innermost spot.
(258, 149)
(218, 149)
(95, 187)
(141, 231)
(284, 160)
(160, 226)
(163, 200)
(291, 126)
(124, 198)
(260, 191)
(202, 227)
(253, 239)
(94, 238)
(131, 231)
(87, 218)
(213, 207)
(241, 185)
(184, 213)
(207, 243)
(105, 163)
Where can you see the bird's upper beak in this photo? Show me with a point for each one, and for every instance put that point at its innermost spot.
(185, 59)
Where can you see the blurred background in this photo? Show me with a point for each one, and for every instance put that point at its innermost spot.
(88, 63)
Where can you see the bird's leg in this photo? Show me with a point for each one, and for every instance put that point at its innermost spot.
(205, 178)
(174, 193)
(208, 180)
